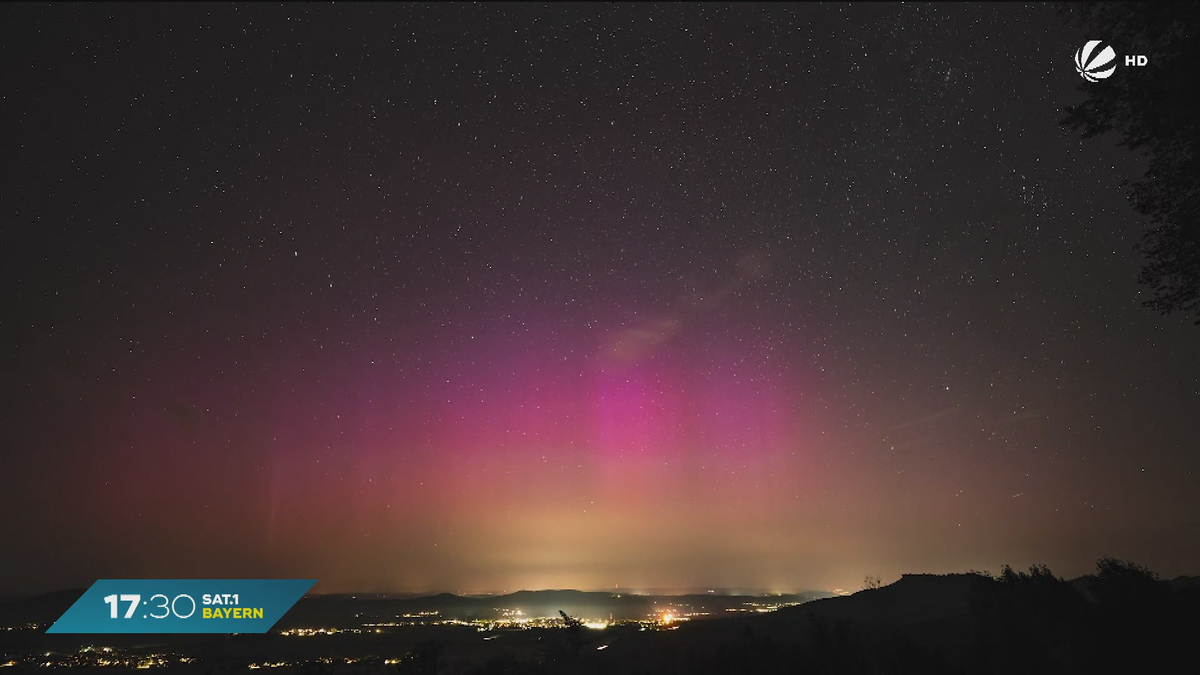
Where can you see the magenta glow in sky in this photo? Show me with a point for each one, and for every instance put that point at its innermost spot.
(423, 298)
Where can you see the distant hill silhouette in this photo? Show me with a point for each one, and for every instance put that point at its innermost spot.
(913, 599)
(40, 609)
(1185, 583)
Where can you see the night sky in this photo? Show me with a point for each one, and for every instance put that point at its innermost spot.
(480, 298)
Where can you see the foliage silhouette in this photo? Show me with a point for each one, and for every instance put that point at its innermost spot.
(1028, 622)
(565, 650)
(1154, 109)
(1137, 614)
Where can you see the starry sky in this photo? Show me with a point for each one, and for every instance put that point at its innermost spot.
(481, 298)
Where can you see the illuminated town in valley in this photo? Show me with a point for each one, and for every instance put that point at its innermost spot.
(375, 635)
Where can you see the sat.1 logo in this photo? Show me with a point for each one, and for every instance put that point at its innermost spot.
(1094, 65)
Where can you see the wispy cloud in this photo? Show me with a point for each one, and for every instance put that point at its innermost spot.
(923, 421)
(631, 344)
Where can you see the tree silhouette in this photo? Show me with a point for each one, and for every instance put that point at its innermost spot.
(1134, 619)
(1028, 622)
(566, 651)
(1126, 585)
(1154, 109)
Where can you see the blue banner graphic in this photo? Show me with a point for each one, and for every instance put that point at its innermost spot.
(182, 606)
